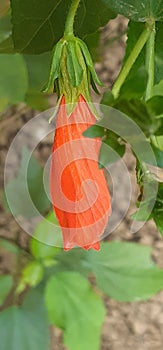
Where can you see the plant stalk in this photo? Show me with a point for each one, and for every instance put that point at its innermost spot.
(69, 30)
(149, 62)
(130, 61)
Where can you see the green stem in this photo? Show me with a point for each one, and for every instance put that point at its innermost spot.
(149, 62)
(130, 61)
(70, 18)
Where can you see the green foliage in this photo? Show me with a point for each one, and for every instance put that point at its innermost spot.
(32, 275)
(34, 180)
(125, 271)
(38, 70)
(137, 10)
(42, 33)
(76, 308)
(6, 42)
(6, 283)
(25, 327)
(46, 238)
(13, 80)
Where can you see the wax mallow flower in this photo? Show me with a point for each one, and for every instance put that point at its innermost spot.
(78, 188)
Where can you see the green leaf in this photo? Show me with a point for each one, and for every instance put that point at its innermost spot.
(37, 100)
(125, 271)
(94, 131)
(46, 238)
(32, 274)
(137, 10)
(41, 23)
(159, 156)
(107, 156)
(38, 70)
(6, 283)
(4, 7)
(73, 306)
(140, 113)
(93, 42)
(135, 86)
(18, 192)
(5, 28)
(25, 327)
(155, 105)
(6, 42)
(13, 80)
(157, 212)
(158, 89)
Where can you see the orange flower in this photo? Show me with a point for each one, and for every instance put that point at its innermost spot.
(78, 187)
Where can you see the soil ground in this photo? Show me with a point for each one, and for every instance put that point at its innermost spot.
(127, 326)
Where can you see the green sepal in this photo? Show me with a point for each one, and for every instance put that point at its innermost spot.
(89, 62)
(75, 71)
(55, 65)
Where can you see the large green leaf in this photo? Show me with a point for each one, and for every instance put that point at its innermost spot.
(137, 10)
(27, 184)
(25, 327)
(77, 309)
(6, 282)
(41, 23)
(4, 6)
(38, 67)
(46, 238)
(125, 271)
(13, 80)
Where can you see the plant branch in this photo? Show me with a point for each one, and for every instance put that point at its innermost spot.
(70, 18)
(149, 62)
(130, 61)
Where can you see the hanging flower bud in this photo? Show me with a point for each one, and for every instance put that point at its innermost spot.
(78, 187)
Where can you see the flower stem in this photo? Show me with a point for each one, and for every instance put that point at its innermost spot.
(149, 62)
(70, 18)
(130, 61)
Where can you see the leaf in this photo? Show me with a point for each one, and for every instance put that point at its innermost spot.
(25, 327)
(41, 23)
(137, 10)
(5, 28)
(46, 238)
(13, 80)
(32, 274)
(158, 89)
(125, 271)
(37, 100)
(135, 85)
(4, 7)
(157, 212)
(38, 70)
(140, 113)
(6, 283)
(73, 306)
(94, 131)
(111, 150)
(31, 175)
